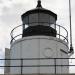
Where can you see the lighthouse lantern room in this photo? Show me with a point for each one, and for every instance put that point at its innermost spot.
(40, 21)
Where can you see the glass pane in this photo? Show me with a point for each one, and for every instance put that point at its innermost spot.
(25, 20)
(44, 18)
(52, 20)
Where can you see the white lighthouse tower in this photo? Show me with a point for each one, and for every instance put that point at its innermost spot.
(42, 46)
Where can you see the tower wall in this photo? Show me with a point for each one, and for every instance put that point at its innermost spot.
(39, 47)
(7, 62)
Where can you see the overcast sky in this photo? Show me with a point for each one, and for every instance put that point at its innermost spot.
(11, 11)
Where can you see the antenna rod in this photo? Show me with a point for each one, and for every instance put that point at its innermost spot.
(70, 18)
(70, 22)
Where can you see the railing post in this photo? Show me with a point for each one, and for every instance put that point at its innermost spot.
(55, 65)
(59, 32)
(67, 36)
(21, 66)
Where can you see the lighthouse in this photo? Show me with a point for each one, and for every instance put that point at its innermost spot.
(42, 46)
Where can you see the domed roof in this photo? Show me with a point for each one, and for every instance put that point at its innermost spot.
(39, 9)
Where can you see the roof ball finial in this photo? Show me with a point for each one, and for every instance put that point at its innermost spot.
(39, 3)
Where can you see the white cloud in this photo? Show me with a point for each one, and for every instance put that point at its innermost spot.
(5, 2)
(1, 71)
(20, 1)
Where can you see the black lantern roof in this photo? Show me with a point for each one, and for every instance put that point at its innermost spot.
(39, 9)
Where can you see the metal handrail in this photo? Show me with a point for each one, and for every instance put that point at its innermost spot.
(13, 38)
(65, 39)
(14, 29)
(37, 59)
(62, 27)
(22, 65)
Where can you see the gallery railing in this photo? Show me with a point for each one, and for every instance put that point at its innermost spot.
(62, 33)
(22, 65)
